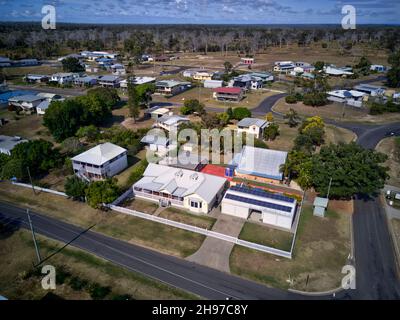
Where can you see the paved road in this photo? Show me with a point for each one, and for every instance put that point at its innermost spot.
(61, 91)
(200, 280)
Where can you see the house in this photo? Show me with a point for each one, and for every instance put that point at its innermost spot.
(101, 162)
(370, 89)
(8, 143)
(228, 94)
(26, 62)
(36, 78)
(157, 112)
(118, 69)
(189, 73)
(89, 68)
(109, 81)
(27, 103)
(271, 208)
(252, 126)
(105, 61)
(171, 87)
(213, 84)
(247, 82)
(264, 76)
(72, 55)
(50, 96)
(170, 122)
(338, 72)
(186, 189)
(247, 61)
(42, 107)
(136, 80)
(350, 97)
(259, 164)
(186, 159)
(320, 205)
(203, 75)
(62, 77)
(284, 66)
(5, 62)
(160, 145)
(378, 68)
(302, 67)
(86, 81)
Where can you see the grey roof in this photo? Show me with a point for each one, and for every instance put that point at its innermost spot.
(180, 182)
(321, 202)
(185, 160)
(319, 211)
(43, 105)
(100, 154)
(26, 98)
(153, 139)
(7, 143)
(261, 162)
(171, 120)
(247, 122)
(108, 78)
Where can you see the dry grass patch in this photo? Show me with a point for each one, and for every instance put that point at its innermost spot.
(321, 250)
(200, 220)
(17, 254)
(141, 205)
(387, 146)
(267, 236)
(140, 231)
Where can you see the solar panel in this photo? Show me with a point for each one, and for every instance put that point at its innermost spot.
(262, 193)
(258, 203)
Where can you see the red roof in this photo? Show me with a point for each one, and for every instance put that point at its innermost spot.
(228, 90)
(215, 171)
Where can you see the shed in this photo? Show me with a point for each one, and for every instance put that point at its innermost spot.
(320, 205)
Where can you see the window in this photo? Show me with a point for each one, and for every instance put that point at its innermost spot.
(195, 204)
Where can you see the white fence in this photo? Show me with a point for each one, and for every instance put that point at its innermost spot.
(25, 185)
(202, 231)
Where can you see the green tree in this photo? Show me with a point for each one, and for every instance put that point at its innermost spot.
(240, 113)
(363, 66)
(109, 96)
(100, 192)
(353, 169)
(14, 168)
(90, 133)
(133, 102)
(144, 93)
(393, 75)
(292, 118)
(63, 118)
(72, 64)
(397, 148)
(228, 67)
(319, 65)
(75, 188)
(271, 132)
(192, 105)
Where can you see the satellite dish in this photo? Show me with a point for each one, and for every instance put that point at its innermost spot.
(347, 94)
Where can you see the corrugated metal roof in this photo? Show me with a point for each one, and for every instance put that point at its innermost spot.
(100, 154)
(247, 122)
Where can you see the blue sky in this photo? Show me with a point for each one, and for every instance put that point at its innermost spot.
(203, 11)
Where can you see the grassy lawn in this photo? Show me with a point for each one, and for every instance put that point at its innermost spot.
(335, 111)
(141, 205)
(321, 250)
(139, 231)
(200, 221)
(285, 140)
(387, 146)
(266, 236)
(17, 255)
(123, 176)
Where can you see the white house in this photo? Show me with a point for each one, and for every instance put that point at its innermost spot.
(378, 68)
(62, 77)
(42, 107)
(247, 82)
(370, 89)
(109, 81)
(252, 126)
(27, 102)
(171, 87)
(339, 72)
(213, 84)
(101, 162)
(186, 189)
(160, 145)
(270, 208)
(8, 143)
(170, 122)
(351, 97)
(85, 81)
(136, 80)
(284, 66)
(203, 75)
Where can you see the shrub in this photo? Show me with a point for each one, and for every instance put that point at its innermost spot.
(77, 283)
(291, 99)
(315, 99)
(240, 113)
(98, 292)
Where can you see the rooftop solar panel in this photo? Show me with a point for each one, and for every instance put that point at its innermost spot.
(262, 193)
(258, 203)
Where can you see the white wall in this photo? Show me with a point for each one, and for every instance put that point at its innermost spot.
(234, 210)
(277, 220)
(117, 166)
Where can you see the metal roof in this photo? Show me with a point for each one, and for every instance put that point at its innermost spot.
(183, 182)
(153, 139)
(43, 105)
(261, 162)
(26, 98)
(321, 202)
(262, 193)
(100, 154)
(247, 122)
(7, 143)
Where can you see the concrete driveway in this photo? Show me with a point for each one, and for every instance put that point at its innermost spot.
(215, 253)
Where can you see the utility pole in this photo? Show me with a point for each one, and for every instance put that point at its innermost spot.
(34, 237)
(30, 179)
(329, 188)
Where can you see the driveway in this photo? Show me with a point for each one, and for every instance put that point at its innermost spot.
(215, 253)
